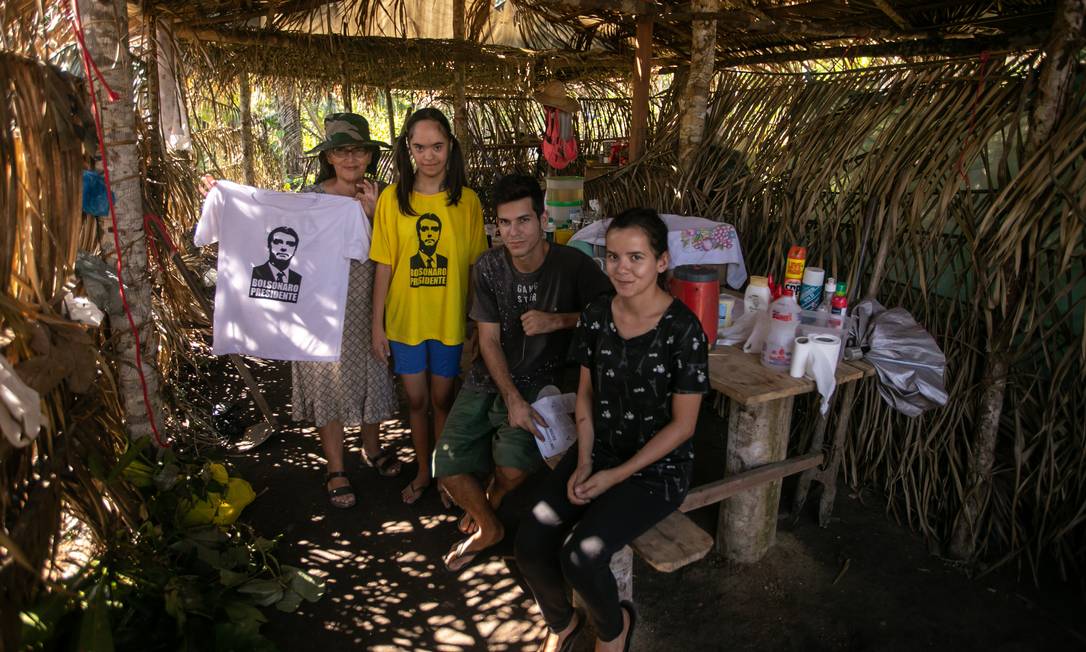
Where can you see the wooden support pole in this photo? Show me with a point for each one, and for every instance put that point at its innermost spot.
(757, 435)
(348, 104)
(391, 107)
(246, 99)
(1052, 99)
(106, 30)
(460, 112)
(642, 74)
(696, 94)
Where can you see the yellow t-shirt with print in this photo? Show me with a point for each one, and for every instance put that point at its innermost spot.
(429, 254)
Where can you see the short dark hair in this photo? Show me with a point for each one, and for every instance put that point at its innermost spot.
(427, 216)
(512, 187)
(283, 229)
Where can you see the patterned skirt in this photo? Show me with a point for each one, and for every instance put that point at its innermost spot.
(358, 389)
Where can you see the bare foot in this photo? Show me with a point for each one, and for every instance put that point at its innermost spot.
(414, 491)
(571, 629)
(467, 549)
(467, 524)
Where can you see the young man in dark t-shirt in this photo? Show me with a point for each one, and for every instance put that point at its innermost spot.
(528, 296)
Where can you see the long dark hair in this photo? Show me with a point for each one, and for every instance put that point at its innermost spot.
(455, 174)
(653, 226)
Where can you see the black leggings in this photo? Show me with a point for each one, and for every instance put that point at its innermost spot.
(561, 545)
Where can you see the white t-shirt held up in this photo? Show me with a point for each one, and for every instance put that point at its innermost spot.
(284, 261)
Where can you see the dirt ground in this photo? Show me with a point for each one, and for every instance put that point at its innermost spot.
(861, 584)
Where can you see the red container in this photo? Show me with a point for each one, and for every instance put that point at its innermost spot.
(698, 286)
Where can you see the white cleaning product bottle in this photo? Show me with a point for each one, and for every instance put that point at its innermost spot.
(757, 297)
(779, 342)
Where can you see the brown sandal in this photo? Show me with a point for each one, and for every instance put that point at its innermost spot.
(385, 462)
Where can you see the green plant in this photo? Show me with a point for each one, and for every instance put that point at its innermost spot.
(171, 586)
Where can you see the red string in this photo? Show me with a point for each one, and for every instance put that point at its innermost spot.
(89, 66)
(973, 116)
(152, 243)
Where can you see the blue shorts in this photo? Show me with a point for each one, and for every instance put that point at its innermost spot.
(440, 359)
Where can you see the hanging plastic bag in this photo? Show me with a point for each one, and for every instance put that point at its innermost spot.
(909, 363)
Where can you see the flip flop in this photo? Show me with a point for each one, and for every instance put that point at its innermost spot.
(344, 491)
(416, 493)
(571, 640)
(385, 462)
(628, 606)
(467, 524)
(459, 556)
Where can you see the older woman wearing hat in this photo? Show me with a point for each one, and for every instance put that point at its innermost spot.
(358, 389)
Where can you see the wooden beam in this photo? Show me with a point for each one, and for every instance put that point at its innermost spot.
(962, 47)
(642, 74)
(246, 100)
(391, 108)
(460, 112)
(696, 94)
(714, 492)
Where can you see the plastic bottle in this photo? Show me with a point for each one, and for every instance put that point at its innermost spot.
(757, 296)
(779, 342)
(810, 293)
(793, 271)
(828, 291)
(839, 306)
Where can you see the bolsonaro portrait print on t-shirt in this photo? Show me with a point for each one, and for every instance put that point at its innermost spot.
(429, 268)
(275, 279)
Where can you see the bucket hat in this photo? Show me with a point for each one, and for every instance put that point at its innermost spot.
(554, 93)
(346, 130)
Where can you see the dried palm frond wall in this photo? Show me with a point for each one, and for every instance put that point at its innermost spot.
(930, 154)
(41, 161)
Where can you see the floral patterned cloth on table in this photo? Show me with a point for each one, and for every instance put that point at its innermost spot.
(690, 241)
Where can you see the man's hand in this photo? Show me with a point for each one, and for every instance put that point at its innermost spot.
(523, 416)
(595, 485)
(537, 322)
(580, 474)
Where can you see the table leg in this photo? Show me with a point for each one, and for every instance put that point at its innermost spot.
(828, 475)
(757, 435)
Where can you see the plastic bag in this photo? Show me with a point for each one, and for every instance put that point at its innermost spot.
(909, 364)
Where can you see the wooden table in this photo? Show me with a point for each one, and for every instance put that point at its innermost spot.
(759, 422)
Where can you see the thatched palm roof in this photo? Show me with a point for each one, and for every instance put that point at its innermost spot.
(408, 43)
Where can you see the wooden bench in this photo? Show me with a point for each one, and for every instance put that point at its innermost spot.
(671, 544)
(677, 541)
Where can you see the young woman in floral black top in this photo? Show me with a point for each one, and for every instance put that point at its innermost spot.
(644, 369)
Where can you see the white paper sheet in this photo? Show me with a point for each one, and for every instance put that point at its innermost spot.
(560, 431)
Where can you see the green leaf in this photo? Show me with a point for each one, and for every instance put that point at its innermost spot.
(231, 578)
(134, 448)
(308, 586)
(234, 637)
(264, 592)
(96, 465)
(95, 634)
(243, 612)
(290, 601)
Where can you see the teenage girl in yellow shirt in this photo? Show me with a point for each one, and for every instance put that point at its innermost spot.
(427, 232)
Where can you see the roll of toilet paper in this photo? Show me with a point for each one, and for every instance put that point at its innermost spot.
(822, 365)
(801, 353)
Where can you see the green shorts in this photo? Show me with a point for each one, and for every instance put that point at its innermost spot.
(477, 437)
